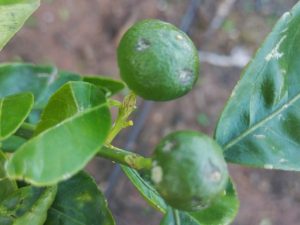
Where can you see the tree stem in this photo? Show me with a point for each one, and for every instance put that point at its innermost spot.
(126, 158)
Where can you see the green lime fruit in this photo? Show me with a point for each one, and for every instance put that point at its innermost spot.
(157, 60)
(189, 170)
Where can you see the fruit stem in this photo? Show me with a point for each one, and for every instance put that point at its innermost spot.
(125, 109)
(26, 130)
(124, 157)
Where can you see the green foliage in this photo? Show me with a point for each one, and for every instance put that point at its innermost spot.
(265, 130)
(109, 86)
(7, 186)
(79, 201)
(13, 14)
(43, 81)
(27, 205)
(146, 189)
(13, 111)
(12, 143)
(59, 147)
(52, 123)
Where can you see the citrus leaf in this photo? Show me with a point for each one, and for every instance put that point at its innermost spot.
(260, 125)
(55, 80)
(79, 201)
(73, 127)
(169, 217)
(110, 86)
(12, 143)
(42, 81)
(146, 189)
(6, 186)
(27, 205)
(175, 217)
(13, 111)
(13, 14)
(221, 212)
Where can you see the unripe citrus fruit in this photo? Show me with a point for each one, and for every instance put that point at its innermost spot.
(157, 60)
(189, 170)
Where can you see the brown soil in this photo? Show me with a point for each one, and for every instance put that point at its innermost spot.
(83, 36)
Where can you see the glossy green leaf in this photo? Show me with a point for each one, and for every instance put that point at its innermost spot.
(220, 212)
(13, 111)
(110, 86)
(260, 125)
(175, 217)
(79, 201)
(6, 186)
(13, 14)
(42, 81)
(16, 77)
(27, 205)
(73, 127)
(12, 143)
(169, 217)
(55, 80)
(146, 189)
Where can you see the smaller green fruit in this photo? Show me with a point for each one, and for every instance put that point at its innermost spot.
(189, 170)
(157, 60)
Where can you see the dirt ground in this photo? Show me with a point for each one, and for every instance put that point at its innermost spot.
(83, 37)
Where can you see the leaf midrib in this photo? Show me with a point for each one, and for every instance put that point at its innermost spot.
(66, 216)
(260, 123)
(266, 119)
(73, 117)
(40, 202)
(151, 200)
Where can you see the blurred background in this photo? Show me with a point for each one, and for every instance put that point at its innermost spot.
(82, 36)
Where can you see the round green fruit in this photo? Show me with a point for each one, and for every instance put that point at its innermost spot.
(157, 60)
(189, 170)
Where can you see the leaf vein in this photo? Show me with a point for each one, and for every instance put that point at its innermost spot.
(66, 216)
(262, 122)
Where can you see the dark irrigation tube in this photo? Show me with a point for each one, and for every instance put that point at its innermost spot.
(140, 119)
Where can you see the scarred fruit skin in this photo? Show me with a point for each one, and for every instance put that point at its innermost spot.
(189, 170)
(157, 60)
